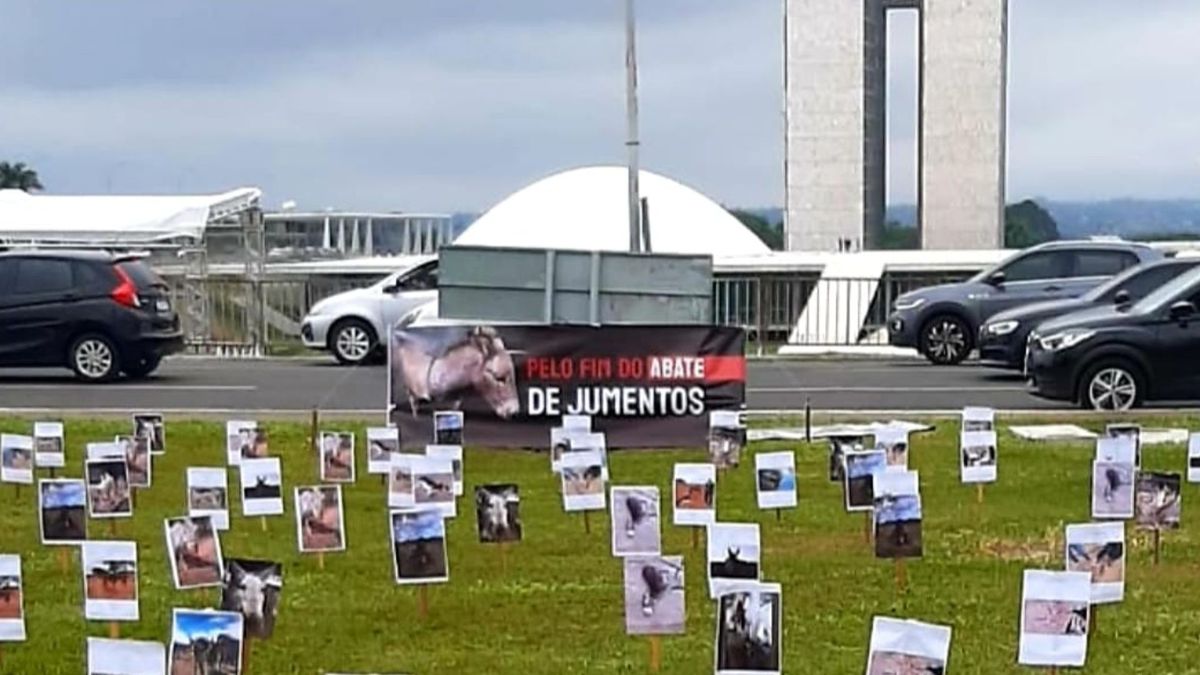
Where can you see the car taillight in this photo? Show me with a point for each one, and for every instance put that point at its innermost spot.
(126, 292)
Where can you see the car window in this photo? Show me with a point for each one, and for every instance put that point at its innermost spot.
(421, 279)
(1184, 285)
(1140, 285)
(36, 276)
(89, 276)
(140, 273)
(1101, 263)
(1040, 265)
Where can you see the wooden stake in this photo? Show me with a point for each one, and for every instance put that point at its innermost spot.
(314, 431)
(979, 493)
(114, 630)
(263, 521)
(901, 575)
(245, 654)
(423, 600)
(695, 539)
(18, 492)
(1157, 544)
(778, 515)
(655, 653)
(112, 527)
(320, 560)
(587, 523)
(63, 561)
(53, 472)
(868, 525)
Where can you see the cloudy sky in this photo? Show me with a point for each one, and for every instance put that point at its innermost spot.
(448, 105)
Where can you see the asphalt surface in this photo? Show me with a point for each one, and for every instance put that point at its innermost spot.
(289, 385)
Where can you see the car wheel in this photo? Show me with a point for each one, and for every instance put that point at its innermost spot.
(945, 340)
(352, 341)
(143, 367)
(94, 358)
(1111, 386)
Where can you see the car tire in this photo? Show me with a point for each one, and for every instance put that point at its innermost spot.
(94, 358)
(946, 340)
(352, 341)
(1111, 385)
(143, 367)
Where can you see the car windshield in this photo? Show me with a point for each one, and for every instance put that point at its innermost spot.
(1167, 291)
(1097, 294)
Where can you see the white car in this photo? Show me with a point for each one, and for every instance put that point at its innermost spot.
(350, 324)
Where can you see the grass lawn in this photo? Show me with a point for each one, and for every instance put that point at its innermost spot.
(554, 604)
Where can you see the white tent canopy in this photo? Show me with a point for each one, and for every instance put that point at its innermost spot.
(587, 209)
(115, 219)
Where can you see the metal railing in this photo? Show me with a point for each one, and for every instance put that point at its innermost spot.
(773, 308)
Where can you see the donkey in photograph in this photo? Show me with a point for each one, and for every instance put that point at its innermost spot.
(750, 625)
(442, 367)
(659, 581)
(640, 510)
(733, 567)
(250, 595)
(494, 521)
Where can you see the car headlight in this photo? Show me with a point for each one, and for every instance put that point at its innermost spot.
(905, 304)
(1002, 327)
(1064, 339)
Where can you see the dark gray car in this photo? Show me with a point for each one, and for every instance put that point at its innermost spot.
(942, 321)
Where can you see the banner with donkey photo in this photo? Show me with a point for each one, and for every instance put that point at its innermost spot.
(643, 386)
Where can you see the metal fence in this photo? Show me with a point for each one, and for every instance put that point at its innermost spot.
(773, 308)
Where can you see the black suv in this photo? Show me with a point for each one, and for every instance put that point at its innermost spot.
(1002, 339)
(1116, 357)
(941, 321)
(96, 313)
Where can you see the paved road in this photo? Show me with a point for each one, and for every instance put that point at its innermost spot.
(301, 384)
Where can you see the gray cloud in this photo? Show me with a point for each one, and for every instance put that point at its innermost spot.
(449, 104)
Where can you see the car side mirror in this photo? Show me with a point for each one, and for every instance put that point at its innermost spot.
(1122, 297)
(1182, 311)
(997, 278)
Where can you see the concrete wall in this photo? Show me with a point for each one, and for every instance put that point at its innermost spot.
(963, 102)
(824, 168)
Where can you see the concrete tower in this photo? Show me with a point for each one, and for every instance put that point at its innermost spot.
(836, 96)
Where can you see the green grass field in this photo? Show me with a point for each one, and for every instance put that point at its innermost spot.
(554, 604)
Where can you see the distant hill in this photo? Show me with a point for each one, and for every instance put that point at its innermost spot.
(1129, 218)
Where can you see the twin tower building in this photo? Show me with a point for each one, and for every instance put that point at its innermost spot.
(835, 98)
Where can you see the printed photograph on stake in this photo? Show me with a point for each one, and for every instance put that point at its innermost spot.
(150, 428)
(98, 451)
(906, 647)
(560, 444)
(337, 456)
(861, 468)
(400, 482)
(320, 523)
(110, 580)
(1121, 449)
(695, 494)
(108, 489)
(448, 427)
(726, 438)
(897, 515)
(733, 554)
(62, 504)
(775, 479)
(16, 459)
(749, 629)
(1054, 618)
(1131, 431)
(1157, 500)
(498, 513)
(977, 450)
(125, 657)
(454, 453)
(583, 485)
(1112, 489)
(262, 486)
(136, 452)
(208, 494)
(419, 547)
(382, 443)
(48, 444)
(893, 441)
(1099, 550)
(433, 484)
(251, 588)
(194, 549)
(1193, 458)
(978, 419)
(239, 440)
(654, 596)
(12, 599)
(636, 529)
(839, 446)
(206, 641)
(590, 441)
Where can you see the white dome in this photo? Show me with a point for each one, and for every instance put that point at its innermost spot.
(587, 209)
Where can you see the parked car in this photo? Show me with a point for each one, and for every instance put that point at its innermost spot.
(1116, 357)
(942, 321)
(94, 312)
(351, 324)
(1002, 339)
